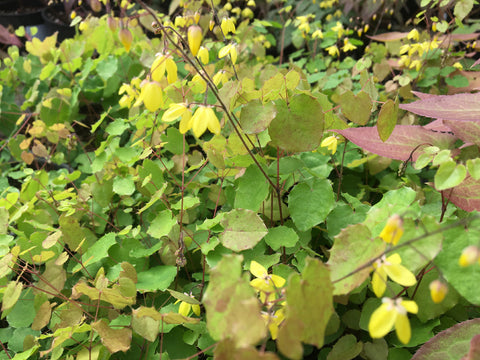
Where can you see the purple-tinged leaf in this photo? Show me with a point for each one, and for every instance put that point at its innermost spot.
(451, 343)
(467, 131)
(466, 195)
(7, 38)
(437, 125)
(405, 141)
(474, 353)
(448, 107)
(390, 36)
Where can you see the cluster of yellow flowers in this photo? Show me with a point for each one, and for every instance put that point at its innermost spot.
(268, 286)
(416, 51)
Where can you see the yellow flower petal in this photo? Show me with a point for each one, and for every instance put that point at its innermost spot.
(174, 112)
(257, 270)
(186, 122)
(410, 306)
(400, 274)
(171, 70)
(382, 320)
(199, 124)
(184, 308)
(158, 68)
(211, 119)
(152, 96)
(379, 281)
(278, 281)
(402, 328)
(196, 309)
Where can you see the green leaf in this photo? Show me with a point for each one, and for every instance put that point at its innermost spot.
(309, 205)
(457, 81)
(11, 294)
(449, 175)
(107, 67)
(387, 119)
(298, 125)
(97, 251)
(473, 167)
(356, 108)
(123, 185)
(306, 320)
(281, 236)
(350, 257)
(252, 189)
(156, 278)
(145, 326)
(23, 312)
(257, 116)
(464, 279)
(346, 348)
(162, 224)
(233, 310)
(462, 8)
(243, 229)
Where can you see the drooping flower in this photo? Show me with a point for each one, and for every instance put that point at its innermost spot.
(186, 306)
(390, 267)
(161, 63)
(263, 280)
(151, 95)
(330, 143)
(273, 321)
(204, 118)
(413, 35)
(393, 230)
(229, 49)
(438, 291)
(228, 26)
(347, 45)
(174, 112)
(203, 55)
(333, 50)
(392, 313)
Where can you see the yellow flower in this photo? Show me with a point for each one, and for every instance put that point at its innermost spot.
(393, 230)
(151, 95)
(264, 281)
(338, 28)
(203, 55)
(438, 291)
(229, 49)
(317, 34)
(458, 66)
(392, 313)
(185, 307)
(174, 112)
(390, 267)
(227, 26)
(203, 118)
(413, 35)
(273, 321)
(347, 45)
(330, 143)
(194, 36)
(220, 77)
(161, 63)
(469, 256)
(333, 50)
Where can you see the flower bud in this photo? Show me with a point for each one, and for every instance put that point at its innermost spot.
(126, 38)
(438, 290)
(95, 5)
(194, 38)
(469, 256)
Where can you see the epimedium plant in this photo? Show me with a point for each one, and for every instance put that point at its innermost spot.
(205, 210)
